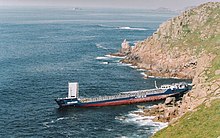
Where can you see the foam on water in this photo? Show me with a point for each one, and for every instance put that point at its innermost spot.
(131, 28)
(105, 63)
(144, 74)
(135, 117)
(111, 56)
(141, 69)
(62, 118)
(101, 46)
(124, 64)
(102, 58)
(52, 122)
(135, 67)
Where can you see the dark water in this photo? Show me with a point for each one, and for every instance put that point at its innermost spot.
(41, 50)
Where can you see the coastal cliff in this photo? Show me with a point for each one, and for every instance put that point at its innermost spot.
(186, 46)
(173, 50)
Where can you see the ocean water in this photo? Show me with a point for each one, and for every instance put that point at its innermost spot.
(42, 49)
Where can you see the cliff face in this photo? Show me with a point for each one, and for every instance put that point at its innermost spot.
(174, 49)
(186, 46)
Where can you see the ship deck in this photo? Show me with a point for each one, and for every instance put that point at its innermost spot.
(121, 95)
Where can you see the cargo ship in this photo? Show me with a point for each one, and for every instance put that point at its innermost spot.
(121, 98)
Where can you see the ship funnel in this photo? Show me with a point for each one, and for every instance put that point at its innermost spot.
(73, 90)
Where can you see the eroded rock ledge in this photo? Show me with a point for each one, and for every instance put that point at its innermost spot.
(202, 92)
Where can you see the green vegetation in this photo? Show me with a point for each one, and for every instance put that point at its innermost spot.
(192, 13)
(215, 66)
(186, 28)
(203, 38)
(214, 12)
(197, 38)
(209, 45)
(203, 123)
(212, 45)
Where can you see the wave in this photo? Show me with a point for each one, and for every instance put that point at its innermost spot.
(134, 67)
(144, 74)
(43, 37)
(124, 64)
(100, 46)
(62, 118)
(111, 56)
(135, 117)
(132, 28)
(122, 27)
(106, 26)
(141, 69)
(51, 123)
(104, 63)
(101, 58)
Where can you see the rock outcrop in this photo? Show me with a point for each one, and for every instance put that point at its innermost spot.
(186, 46)
(124, 51)
(173, 50)
(125, 48)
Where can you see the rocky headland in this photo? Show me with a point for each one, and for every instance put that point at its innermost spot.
(188, 47)
(173, 50)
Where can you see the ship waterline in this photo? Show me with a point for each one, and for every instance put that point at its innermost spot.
(122, 98)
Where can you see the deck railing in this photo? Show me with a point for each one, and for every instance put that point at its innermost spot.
(140, 93)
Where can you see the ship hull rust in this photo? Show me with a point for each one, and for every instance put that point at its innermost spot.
(123, 98)
(125, 102)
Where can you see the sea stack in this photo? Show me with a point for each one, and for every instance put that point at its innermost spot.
(125, 48)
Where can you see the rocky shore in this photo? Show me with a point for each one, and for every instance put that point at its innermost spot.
(173, 50)
(188, 47)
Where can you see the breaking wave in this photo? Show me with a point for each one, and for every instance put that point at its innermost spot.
(124, 64)
(52, 122)
(101, 58)
(104, 63)
(135, 117)
(123, 27)
(132, 28)
(141, 69)
(111, 56)
(100, 46)
(144, 74)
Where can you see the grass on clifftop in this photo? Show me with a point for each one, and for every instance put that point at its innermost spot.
(203, 123)
(215, 66)
(205, 38)
(199, 39)
(213, 46)
(209, 45)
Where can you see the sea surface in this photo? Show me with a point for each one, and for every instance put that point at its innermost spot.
(42, 49)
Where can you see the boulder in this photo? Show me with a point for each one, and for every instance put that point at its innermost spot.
(170, 101)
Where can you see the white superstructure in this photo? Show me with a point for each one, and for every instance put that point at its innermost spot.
(73, 90)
